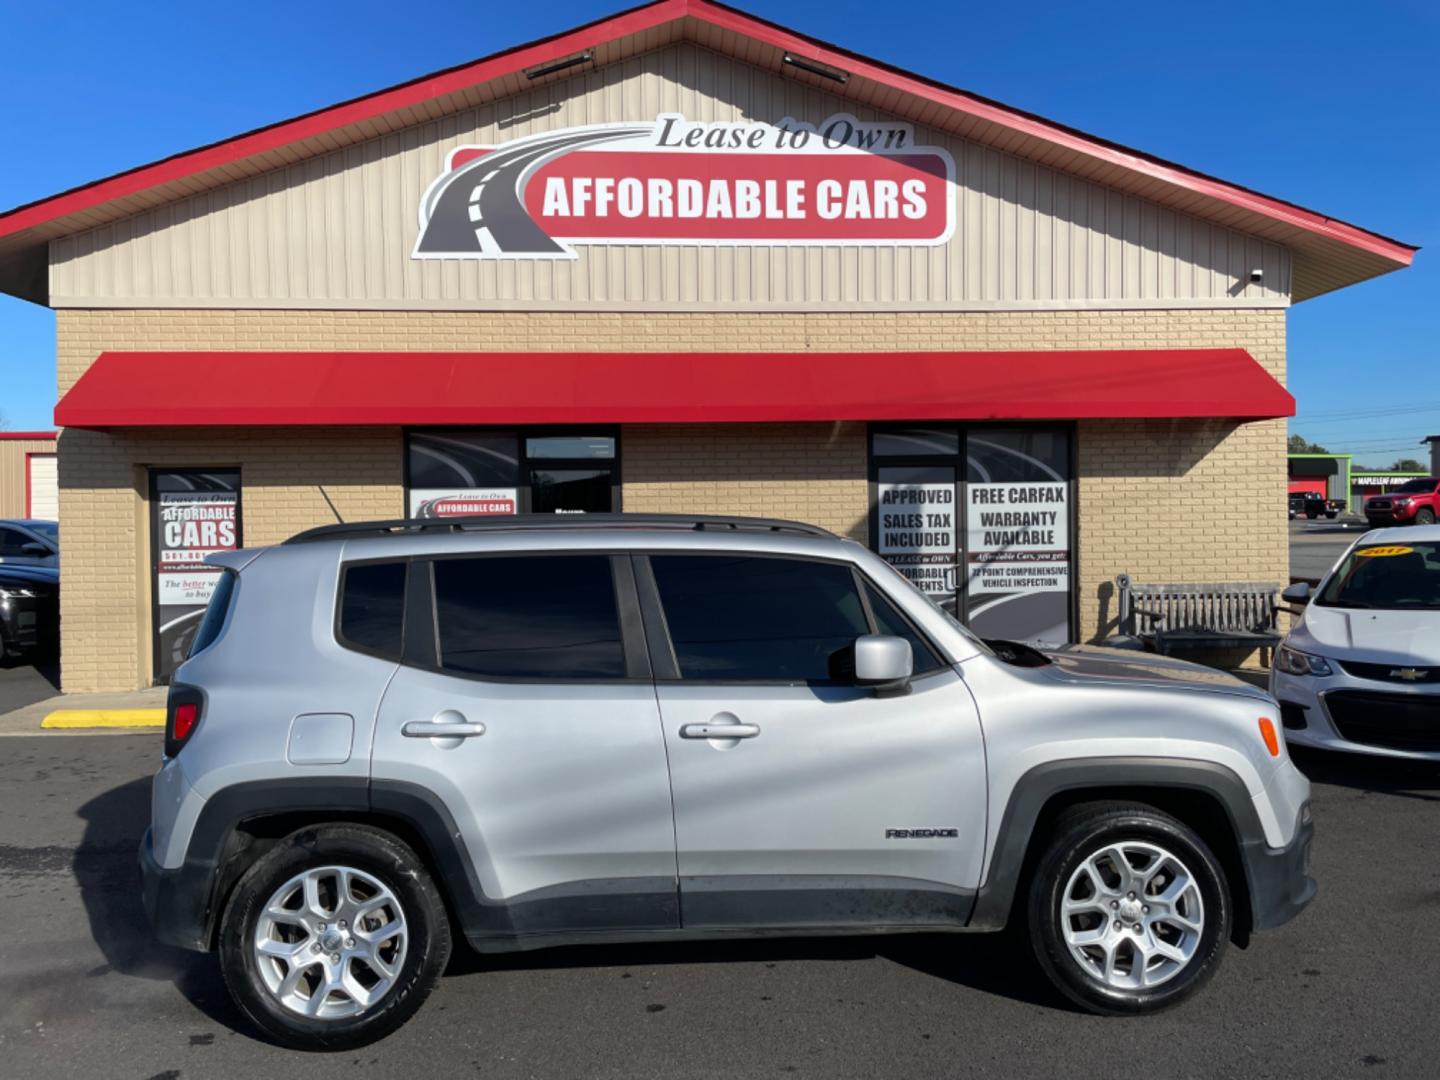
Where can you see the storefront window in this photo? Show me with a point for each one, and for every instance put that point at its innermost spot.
(479, 472)
(979, 518)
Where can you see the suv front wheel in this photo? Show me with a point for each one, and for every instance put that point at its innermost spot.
(1129, 909)
(334, 937)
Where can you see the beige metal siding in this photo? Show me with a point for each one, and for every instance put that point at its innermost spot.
(336, 231)
(12, 472)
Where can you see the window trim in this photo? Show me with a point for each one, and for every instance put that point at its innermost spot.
(422, 608)
(657, 627)
(350, 644)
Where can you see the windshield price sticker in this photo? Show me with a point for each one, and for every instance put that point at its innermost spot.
(1379, 552)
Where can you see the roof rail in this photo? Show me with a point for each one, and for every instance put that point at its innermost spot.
(497, 523)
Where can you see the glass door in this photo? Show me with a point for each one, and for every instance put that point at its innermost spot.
(193, 513)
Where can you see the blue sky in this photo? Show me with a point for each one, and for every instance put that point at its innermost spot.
(1331, 105)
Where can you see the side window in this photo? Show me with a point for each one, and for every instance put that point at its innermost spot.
(748, 618)
(11, 541)
(215, 611)
(889, 621)
(529, 617)
(372, 607)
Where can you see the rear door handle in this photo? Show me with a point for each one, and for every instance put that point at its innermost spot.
(439, 729)
(719, 731)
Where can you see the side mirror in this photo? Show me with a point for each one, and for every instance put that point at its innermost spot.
(32, 548)
(883, 662)
(1299, 593)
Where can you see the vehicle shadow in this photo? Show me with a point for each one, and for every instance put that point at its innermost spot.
(108, 875)
(1401, 777)
(997, 964)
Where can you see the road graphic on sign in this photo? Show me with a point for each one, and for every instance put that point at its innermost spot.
(479, 208)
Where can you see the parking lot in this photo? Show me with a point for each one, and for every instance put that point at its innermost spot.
(1315, 545)
(1349, 989)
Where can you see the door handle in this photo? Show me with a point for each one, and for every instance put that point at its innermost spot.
(439, 729)
(719, 731)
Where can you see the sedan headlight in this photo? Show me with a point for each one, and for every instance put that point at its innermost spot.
(15, 593)
(1294, 662)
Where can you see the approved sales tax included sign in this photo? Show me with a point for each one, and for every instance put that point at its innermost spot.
(676, 181)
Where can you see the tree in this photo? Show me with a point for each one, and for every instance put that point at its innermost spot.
(1407, 464)
(1298, 444)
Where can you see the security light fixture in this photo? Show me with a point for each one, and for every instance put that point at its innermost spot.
(816, 69)
(1257, 274)
(559, 65)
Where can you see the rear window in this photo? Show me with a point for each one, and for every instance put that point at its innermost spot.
(372, 608)
(214, 617)
(539, 617)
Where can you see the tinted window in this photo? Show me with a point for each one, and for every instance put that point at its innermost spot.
(889, 621)
(540, 617)
(372, 607)
(12, 540)
(1423, 485)
(738, 618)
(214, 617)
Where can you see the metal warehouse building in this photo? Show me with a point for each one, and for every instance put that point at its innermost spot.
(680, 259)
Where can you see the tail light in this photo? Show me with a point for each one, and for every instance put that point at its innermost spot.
(183, 708)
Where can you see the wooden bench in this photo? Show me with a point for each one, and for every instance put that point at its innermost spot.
(1197, 616)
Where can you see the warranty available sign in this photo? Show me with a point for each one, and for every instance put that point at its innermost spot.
(676, 181)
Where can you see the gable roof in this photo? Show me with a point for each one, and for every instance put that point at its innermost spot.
(1328, 253)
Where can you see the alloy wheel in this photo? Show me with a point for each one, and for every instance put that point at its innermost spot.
(1132, 915)
(329, 943)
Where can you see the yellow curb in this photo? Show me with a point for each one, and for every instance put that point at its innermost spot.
(104, 718)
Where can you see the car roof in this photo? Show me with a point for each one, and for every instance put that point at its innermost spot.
(28, 523)
(1428, 534)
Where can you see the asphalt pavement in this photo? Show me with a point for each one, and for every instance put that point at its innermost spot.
(1315, 545)
(1349, 989)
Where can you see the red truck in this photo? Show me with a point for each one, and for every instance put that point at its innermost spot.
(1415, 502)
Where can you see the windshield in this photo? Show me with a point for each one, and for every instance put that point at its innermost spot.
(948, 616)
(1424, 484)
(1390, 576)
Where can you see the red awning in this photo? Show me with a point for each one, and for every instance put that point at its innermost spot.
(188, 389)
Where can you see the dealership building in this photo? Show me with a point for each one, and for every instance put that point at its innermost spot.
(677, 260)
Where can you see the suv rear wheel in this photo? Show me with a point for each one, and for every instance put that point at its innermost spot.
(334, 937)
(1129, 910)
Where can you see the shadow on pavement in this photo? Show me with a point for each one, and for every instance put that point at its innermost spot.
(108, 874)
(1365, 772)
(991, 963)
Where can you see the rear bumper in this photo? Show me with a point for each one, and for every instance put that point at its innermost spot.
(1280, 882)
(176, 901)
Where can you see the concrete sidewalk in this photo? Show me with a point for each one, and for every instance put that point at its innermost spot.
(134, 712)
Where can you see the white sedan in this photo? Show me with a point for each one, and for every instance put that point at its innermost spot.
(1360, 671)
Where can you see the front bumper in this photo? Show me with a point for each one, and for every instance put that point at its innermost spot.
(176, 901)
(1302, 699)
(1279, 878)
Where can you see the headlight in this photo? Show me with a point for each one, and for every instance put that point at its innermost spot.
(16, 593)
(1293, 662)
(1400, 504)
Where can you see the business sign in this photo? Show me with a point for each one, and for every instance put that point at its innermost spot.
(677, 181)
(192, 525)
(917, 533)
(1018, 537)
(462, 502)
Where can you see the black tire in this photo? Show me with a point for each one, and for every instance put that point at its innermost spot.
(360, 847)
(1332, 514)
(1312, 514)
(1079, 833)
(1425, 516)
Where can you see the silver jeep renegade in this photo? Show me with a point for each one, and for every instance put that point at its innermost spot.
(544, 731)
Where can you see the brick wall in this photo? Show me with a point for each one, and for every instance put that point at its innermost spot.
(1181, 500)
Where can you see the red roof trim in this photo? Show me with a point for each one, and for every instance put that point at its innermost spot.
(642, 18)
(31, 435)
(185, 389)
